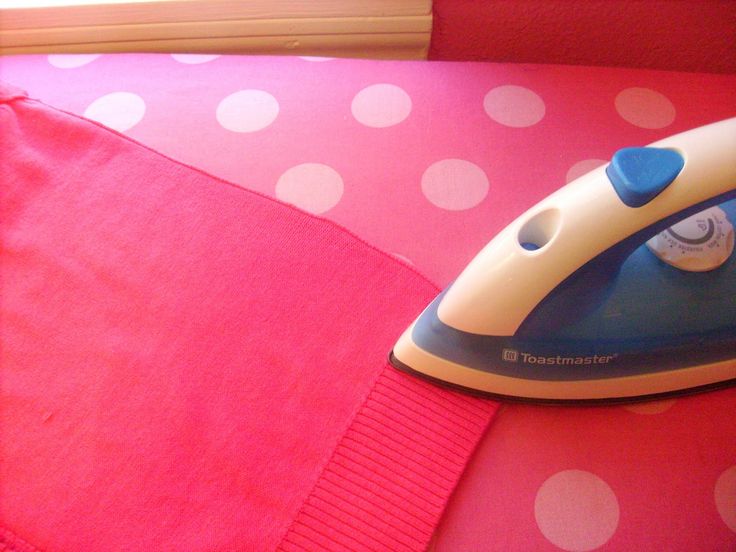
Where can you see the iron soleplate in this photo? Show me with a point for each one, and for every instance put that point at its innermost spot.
(396, 363)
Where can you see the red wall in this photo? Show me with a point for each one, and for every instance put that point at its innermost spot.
(688, 35)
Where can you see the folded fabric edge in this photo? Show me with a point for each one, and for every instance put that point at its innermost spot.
(9, 92)
(389, 478)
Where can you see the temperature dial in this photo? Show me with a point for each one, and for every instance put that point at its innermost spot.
(699, 243)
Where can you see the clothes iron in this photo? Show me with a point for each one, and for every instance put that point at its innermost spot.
(619, 286)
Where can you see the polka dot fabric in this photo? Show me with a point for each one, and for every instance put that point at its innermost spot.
(428, 161)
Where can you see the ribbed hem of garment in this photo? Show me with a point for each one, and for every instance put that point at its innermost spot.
(393, 471)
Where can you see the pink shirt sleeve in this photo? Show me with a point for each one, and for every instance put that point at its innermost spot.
(187, 365)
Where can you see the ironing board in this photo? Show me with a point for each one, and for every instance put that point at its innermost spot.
(427, 161)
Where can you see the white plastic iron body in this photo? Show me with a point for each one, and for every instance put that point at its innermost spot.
(554, 307)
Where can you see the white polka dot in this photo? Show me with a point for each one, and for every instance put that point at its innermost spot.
(193, 59)
(645, 108)
(725, 496)
(583, 167)
(514, 106)
(454, 184)
(247, 111)
(70, 61)
(119, 110)
(316, 58)
(652, 407)
(576, 510)
(313, 187)
(381, 105)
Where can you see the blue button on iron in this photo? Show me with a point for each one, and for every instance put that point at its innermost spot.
(639, 174)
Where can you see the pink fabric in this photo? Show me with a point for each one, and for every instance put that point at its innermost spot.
(433, 187)
(187, 365)
(10, 542)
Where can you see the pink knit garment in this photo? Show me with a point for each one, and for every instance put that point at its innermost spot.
(187, 365)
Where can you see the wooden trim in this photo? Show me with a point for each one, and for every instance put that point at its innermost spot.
(158, 11)
(216, 29)
(372, 46)
(368, 28)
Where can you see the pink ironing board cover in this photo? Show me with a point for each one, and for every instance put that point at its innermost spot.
(427, 161)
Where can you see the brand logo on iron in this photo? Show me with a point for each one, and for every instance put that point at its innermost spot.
(512, 355)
